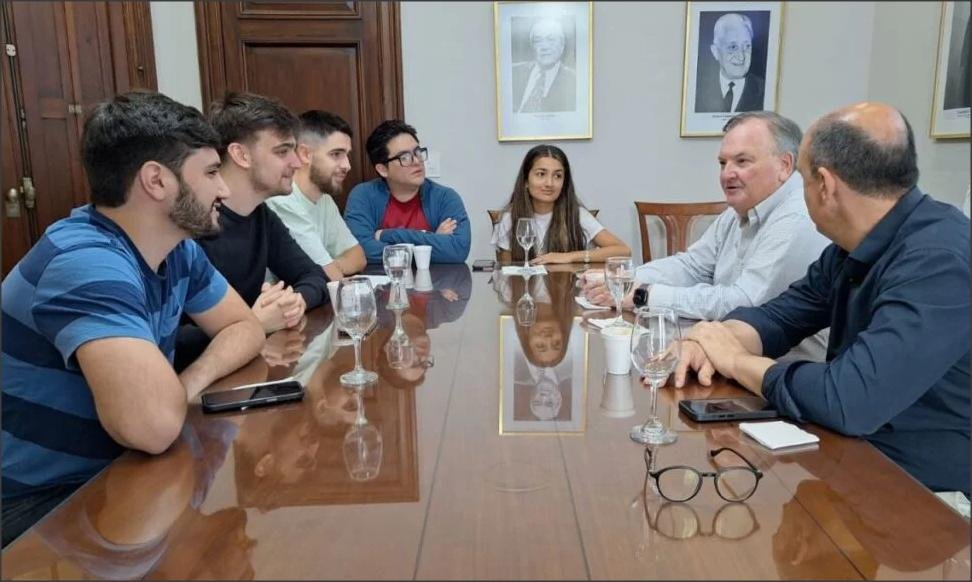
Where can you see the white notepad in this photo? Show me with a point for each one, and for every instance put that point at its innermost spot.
(778, 434)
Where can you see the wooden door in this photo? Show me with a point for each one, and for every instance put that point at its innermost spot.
(342, 57)
(61, 58)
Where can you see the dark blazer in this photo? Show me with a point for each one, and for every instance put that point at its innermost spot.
(563, 91)
(708, 95)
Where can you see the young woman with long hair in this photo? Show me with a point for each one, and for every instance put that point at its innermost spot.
(566, 231)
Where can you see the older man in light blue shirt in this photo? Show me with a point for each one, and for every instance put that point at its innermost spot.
(754, 250)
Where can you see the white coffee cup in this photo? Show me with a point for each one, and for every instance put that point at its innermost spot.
(423, 256)
(617, 400)
(617, 345)
(332, 289)
(423, 280)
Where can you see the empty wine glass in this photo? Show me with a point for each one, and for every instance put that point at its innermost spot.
(397, 259)
(526, 235)
(654, 353)
(357, 312)
(399, 349)
(619, 277)
(362, 446)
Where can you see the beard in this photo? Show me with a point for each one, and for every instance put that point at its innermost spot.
(190, 215)
(326, 184)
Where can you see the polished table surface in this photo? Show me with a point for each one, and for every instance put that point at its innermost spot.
(506, 459)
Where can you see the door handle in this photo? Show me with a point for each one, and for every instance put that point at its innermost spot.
(12, 203)
(30, 193)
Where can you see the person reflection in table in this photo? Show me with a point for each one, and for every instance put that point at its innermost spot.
(543, 377)
(144, 515)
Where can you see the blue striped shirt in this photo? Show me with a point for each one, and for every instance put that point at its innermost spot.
(83, 280)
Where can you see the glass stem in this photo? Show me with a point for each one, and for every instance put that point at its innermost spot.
(357, 354)
(526, 258)
(653, 408)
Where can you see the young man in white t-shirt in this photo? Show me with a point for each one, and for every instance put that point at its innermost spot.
(323, 146)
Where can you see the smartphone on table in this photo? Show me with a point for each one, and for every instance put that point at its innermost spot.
(727, 409)
(260, 394)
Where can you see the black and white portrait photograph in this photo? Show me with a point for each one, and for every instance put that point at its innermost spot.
(543, 70)
(543, 380)
(953, 79)
(731, 62)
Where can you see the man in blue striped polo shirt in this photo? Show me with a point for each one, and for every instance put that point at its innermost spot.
(90, 313)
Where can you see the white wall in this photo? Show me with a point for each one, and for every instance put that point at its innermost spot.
(903, 73)
(176, 58)
(636, 153)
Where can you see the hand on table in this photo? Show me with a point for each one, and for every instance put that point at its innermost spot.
(552, 259)
(693, 357)
(278, 307)
(284, 347)
(722, 348)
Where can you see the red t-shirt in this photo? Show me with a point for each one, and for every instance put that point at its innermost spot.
(405, 215)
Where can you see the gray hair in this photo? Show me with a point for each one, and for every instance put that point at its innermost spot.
(870, 167)
(719, 28)
(786, 133)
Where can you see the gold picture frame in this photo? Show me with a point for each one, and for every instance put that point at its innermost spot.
(953, 74)
(543, 52)
(517, 414)
(708, 67)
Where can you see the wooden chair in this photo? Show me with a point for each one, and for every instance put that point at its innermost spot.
(495, 215)
(677, 218)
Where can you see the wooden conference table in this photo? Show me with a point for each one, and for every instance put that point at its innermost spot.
(499, 461)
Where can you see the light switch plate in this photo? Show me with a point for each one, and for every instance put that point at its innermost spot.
(433, 165)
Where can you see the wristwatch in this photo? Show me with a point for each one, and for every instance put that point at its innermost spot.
(640, 298)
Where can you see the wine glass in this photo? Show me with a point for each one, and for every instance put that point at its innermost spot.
(362, 446)
(619, 277)
(357, 312)
(399, 349)
(526, 235)
(655, 342)
(397, 259)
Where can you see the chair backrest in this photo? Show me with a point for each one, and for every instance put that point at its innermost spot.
(677, 219)
(495, 215)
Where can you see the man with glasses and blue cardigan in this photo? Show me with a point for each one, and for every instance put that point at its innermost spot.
(402, 206)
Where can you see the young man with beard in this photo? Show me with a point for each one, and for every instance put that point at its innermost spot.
(91, 311)
(323, 146)
(258, 151)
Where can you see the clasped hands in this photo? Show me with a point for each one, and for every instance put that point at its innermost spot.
(278, 307)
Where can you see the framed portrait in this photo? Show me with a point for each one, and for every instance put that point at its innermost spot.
(953, 79)
(543, 70)
(542, 397)
(732, 63)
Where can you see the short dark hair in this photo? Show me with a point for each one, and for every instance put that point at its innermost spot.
(125, 132)
(377, 144)
(322, 124)
(868, 166)
(239, 116)
(786, 133)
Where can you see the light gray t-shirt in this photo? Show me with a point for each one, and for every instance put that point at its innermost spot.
(503, 231)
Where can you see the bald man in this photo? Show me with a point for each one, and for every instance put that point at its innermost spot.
(894, 290)
(545, 84)
(734, 87)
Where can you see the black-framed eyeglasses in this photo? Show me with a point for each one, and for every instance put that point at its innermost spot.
(408, 158)
(733, 521)
(680, 482)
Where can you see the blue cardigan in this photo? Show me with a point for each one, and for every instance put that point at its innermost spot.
(366, 208)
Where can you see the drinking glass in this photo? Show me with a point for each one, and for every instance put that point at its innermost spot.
(526, 235)
(654, 353)
(357, 313)
(619, 277)
(397, 259)
(399, 349)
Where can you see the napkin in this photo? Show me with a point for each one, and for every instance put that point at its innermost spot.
(583, 302)
(778, 434)
(519, 270)
(602, 323)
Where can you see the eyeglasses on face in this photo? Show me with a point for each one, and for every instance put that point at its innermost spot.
(408, 158)
(680, 482)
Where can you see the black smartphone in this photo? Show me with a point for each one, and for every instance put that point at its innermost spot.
(723, 409)
(484, 265)
(262, 394)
